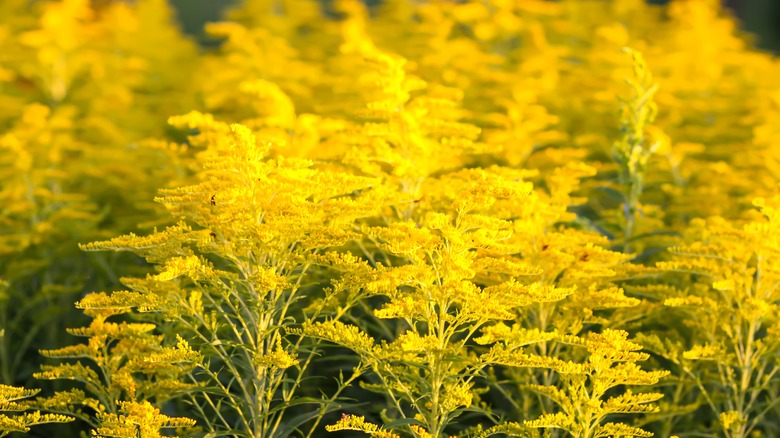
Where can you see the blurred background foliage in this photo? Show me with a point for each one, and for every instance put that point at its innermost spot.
(758, 17)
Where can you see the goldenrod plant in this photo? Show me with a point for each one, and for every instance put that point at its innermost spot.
(82, 88)
(427, 370)
(137, 419)
(231, 291)
(582, 394)
(729, 348)
(567, 259)
(16, 414)
(632, 152)
(126, 367)
(393, 218)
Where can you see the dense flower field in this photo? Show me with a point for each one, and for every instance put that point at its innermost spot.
(427, 218)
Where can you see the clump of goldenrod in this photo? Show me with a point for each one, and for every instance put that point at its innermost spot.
(485, 209)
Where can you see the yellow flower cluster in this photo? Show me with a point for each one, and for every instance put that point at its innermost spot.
(16, 414)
